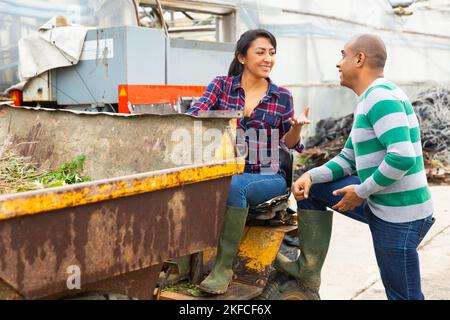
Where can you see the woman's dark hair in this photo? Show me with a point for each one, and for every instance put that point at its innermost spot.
(244, 43)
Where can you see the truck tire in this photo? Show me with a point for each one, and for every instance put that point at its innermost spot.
(282, 287)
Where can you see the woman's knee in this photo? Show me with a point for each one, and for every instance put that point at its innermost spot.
(236, 192)
(265, 189)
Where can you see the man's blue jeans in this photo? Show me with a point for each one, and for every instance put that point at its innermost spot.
(253, 189)
(395, 244)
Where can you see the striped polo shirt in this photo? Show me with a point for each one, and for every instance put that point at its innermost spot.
(385, 149)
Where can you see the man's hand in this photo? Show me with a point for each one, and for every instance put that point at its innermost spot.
(298, 122)
(350, 200)
(300, 188)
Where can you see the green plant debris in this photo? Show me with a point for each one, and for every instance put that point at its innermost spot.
(302, 160)
(18, 175)
(186, 288)
(434, 163)
(67, 173)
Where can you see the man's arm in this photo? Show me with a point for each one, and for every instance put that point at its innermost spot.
(340, 166)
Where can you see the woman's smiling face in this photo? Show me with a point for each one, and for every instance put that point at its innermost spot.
(260, 58)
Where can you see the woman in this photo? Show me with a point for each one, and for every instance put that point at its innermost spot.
(268, 111)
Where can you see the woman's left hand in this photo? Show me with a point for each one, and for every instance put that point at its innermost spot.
(301, 120)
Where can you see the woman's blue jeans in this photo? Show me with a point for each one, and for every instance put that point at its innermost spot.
(251, 189)
(395, 244)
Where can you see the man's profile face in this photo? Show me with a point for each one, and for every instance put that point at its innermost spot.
(347, 67)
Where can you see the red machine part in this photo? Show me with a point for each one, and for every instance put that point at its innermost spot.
(16, 96)
(154, 94)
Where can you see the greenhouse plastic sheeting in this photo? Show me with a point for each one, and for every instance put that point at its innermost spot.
(310, 36)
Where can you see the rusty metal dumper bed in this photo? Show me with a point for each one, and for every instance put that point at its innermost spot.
(139, 210)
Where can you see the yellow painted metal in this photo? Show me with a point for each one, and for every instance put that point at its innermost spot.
(259, 247)
(209, 256)
(226, 149)
(45, 200)
(7, 292)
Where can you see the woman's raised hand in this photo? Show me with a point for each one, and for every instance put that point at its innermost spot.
(298, 122)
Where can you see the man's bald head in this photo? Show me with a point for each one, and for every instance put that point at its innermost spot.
(373, 48)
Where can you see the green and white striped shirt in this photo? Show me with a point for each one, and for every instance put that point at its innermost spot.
(384, 148)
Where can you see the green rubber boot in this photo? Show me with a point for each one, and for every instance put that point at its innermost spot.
(221, 275)
(314, 233)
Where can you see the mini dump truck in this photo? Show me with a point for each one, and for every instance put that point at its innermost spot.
(142, 207)
(268, 225)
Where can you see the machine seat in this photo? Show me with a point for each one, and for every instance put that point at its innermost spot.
(276, 211)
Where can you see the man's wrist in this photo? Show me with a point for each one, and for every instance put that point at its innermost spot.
(360, 192)
(308, 175)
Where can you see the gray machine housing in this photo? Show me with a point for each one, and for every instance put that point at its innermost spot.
(135, 55)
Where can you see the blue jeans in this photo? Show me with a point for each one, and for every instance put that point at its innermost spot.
(252, 189)
(395, 244)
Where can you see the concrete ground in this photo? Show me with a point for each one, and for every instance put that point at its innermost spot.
(351, 272)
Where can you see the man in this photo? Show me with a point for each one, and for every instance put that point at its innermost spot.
(390, 192)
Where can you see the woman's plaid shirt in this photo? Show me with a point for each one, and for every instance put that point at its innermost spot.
(270, 119)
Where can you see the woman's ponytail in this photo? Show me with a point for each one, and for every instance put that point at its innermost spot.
(236, 67)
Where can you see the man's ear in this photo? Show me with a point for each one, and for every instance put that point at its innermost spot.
(360, 59)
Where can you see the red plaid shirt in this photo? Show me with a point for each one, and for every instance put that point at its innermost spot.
(272, 113)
